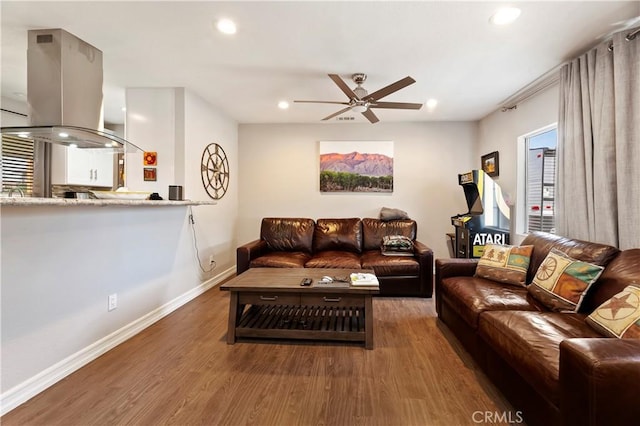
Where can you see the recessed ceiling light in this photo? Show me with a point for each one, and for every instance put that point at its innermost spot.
(283, 105)
(431, 103)
(226, 26)
(505, 15)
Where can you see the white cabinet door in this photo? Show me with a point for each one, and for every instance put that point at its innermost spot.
(78, 170)
(82, 166)
(102, 161)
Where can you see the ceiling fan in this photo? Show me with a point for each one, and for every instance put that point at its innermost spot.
(361, 101)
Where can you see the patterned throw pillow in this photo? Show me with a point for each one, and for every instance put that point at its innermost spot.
(505, 264)
(561, 282)
(396, 245)
(619, 316)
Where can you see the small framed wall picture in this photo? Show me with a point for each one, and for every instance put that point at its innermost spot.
(490, 164)
(150, 158)
(149, 174)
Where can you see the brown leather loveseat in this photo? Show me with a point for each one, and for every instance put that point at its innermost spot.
(552, 366)
(349, 243)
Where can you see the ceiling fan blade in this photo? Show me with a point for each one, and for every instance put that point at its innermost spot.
(395, 105)
(343, 86)
(323, 102)
(393, 87)
(371, 116)
(342, 111)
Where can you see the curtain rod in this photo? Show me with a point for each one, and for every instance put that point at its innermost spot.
(546, 80)
(631, 36)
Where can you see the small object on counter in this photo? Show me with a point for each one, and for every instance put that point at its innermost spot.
(121, 194)
(155, 196)
(69, 194)
(175, 192)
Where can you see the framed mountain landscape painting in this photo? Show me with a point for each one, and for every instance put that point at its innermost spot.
(356, 166)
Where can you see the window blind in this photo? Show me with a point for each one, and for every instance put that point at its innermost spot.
(17, 164)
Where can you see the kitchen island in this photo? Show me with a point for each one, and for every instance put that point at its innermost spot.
(71, 202)
(62, 260)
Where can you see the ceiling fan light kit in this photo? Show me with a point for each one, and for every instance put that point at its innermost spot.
(361, 101)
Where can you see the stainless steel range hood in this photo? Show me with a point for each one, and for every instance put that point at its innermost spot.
(64, 93)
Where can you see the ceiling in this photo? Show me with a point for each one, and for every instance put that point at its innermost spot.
(284, 51)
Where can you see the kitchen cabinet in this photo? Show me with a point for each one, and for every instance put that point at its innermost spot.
(83, 166)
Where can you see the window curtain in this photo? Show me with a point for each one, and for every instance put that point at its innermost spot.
(598, 168)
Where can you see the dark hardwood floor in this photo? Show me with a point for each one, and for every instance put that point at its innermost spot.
(181, 371)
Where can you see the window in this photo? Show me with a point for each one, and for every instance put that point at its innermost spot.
(17, 164)
(536, 180)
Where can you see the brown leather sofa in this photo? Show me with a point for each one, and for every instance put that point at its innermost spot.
(349, 243)
(553, 367)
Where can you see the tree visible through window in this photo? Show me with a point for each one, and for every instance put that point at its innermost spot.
(540, 180)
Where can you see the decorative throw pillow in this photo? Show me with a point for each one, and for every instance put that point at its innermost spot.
(561, 282)
(396, 245)
(387, 213)
(619, 316)
(505, 264)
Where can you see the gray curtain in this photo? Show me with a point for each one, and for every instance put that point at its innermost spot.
(598, 167)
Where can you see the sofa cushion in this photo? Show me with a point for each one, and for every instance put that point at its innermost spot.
(619, 273)
(561, 282)
(470, 296)
(374, 230)
(385, 266)
(287, 234)
(505, 264)
(338, 234)
(619, 316)
(598, 254)
(281, 259)
(530, 343)
(334, 259)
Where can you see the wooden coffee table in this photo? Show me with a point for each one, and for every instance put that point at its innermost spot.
(270, 303)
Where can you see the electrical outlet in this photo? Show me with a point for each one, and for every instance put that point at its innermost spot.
(211, 261)
(113, 302)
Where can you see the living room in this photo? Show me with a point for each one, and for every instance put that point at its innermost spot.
(148, 259)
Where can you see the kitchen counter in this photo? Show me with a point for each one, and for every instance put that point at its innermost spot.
(73, 202)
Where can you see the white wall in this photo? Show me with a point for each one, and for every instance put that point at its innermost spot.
(59, 264)
(178, 125)
(279, 174)
(499, 131)
(151, 123)
(9, 119)
(216, 226)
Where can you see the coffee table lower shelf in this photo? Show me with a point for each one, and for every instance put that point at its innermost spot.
(344, 323)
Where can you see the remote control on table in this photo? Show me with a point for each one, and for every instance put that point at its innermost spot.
(306, 282)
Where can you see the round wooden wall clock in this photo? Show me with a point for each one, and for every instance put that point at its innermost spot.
(214, 168)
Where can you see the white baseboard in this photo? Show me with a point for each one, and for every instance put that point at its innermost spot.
(41, 381)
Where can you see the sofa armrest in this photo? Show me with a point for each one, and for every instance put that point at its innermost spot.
(600, 381)
(425, 258)
(446, 268)
(247, 252)
(455, 268)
